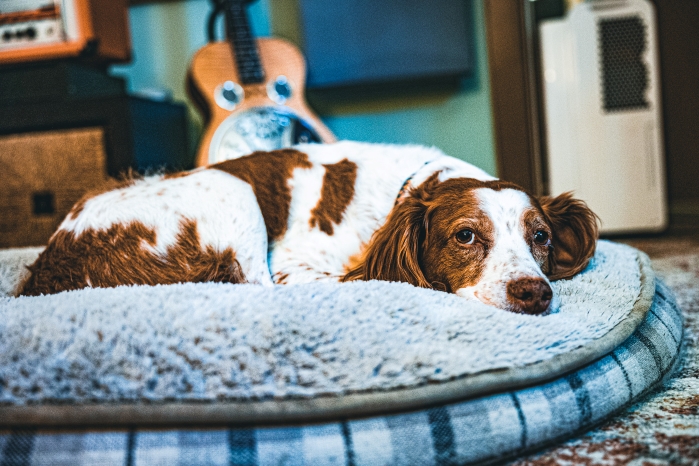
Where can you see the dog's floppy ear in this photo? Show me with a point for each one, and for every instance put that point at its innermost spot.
(575, 234)
(394, 251)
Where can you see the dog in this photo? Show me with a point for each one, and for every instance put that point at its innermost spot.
(332, 212)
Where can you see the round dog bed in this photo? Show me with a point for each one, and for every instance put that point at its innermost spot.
(368, 371)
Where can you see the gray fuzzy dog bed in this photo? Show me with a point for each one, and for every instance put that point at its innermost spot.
(246, 355)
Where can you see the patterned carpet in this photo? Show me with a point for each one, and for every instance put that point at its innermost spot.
(664, 427)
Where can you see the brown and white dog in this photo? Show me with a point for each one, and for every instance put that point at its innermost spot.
(335, 212)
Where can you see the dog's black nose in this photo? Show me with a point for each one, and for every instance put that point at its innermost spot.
(529, 295)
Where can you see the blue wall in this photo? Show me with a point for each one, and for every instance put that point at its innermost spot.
(166, 35)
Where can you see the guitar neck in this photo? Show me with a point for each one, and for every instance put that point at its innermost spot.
(243, 43)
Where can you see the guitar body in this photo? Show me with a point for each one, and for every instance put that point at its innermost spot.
(261, 118)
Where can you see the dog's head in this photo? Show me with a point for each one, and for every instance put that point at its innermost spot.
(487, 240)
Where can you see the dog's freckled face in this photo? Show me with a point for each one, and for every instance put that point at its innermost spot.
(487, 240)
(333, 212)
(493, 245)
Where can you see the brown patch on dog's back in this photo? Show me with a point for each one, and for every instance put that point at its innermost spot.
(336, 194)
(120, 256)
(267, 173)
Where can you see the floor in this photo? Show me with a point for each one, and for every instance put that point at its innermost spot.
(663, 428)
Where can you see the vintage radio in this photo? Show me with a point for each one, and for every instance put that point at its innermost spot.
(34, 30)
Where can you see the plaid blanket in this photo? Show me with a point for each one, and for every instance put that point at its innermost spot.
(488, 429)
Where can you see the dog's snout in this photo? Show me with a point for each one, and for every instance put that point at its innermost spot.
(529, 295)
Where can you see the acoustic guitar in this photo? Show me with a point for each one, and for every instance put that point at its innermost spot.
(251, 92)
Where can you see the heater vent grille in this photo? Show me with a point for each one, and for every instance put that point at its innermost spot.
(622, 43)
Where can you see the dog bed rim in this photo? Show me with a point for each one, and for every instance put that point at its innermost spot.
(328, 408)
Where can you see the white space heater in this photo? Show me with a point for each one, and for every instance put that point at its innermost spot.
(603, 113)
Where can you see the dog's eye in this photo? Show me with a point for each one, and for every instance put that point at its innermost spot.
(465, 237)
(541, 237)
